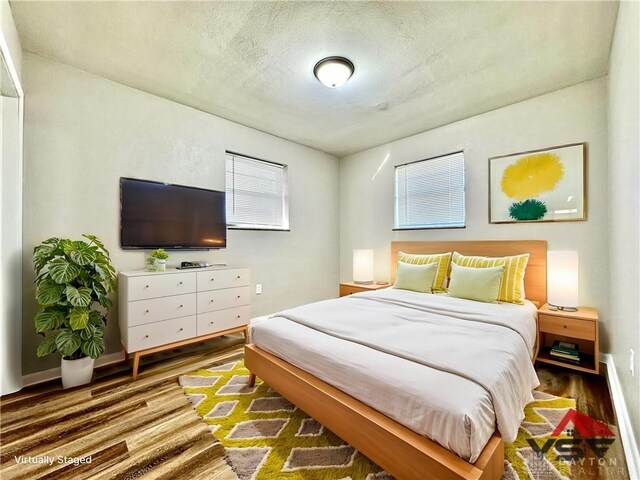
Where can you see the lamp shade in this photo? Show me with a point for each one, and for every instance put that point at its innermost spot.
(562, 279)
(363, 266)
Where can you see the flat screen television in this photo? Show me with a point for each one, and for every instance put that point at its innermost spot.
(176, 217)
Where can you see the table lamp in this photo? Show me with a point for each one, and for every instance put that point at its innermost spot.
(363, 266)
(562, 280)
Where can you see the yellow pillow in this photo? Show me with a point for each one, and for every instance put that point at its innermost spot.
(442, 259)
(512, 285)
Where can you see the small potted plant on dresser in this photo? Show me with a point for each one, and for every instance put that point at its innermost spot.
(159, 257)
(73, 280)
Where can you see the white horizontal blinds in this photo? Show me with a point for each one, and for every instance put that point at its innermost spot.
(256, 193)
(430, 193)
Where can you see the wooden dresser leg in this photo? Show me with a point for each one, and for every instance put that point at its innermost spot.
(252, 380)
(136, 363)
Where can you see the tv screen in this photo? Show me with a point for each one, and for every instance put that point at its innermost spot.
(161, 215)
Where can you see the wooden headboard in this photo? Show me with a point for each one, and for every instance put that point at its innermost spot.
(535, 279)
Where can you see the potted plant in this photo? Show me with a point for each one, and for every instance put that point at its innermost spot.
(160, 259)
(73, 280)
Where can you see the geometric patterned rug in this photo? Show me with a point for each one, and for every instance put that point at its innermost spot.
(268, 438)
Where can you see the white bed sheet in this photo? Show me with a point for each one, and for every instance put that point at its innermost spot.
(452, 410)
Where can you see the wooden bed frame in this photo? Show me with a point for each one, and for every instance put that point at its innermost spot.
(400, 451)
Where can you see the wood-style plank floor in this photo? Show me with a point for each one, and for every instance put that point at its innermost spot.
(593, 398)
(148, 429)
(143, 429)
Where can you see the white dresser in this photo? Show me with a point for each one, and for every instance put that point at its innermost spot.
(162, 310)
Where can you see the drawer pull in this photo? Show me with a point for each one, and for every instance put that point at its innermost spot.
(146, 286)
(180, 283)
(180, 306)
(146, 311)
(210, 301)
(238, 296)
(238, 277)
(210, 323)
(181, 330)
(146, 336)
(238, 316)
(212, 279)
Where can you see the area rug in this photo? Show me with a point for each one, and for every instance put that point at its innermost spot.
(268, 438)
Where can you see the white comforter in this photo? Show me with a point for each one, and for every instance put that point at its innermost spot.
(488, 344)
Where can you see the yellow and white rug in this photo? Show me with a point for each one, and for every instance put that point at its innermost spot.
(265, 436)
(268, 438)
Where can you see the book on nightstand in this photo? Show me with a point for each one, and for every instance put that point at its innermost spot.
(565, 352)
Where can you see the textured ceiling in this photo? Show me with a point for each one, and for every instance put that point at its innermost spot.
(251, 62)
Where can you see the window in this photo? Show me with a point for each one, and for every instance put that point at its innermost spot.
(256, 194)
(430, 193)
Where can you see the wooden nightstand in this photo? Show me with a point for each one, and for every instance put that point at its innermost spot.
(347, 288)
(579, 327)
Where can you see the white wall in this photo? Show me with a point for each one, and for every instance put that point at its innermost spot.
(624, 203)
(10, 39)
(575, 114)
(11, 204)
(83, 132)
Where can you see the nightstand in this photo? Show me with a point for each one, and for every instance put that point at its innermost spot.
(579, 327)
(347, 288)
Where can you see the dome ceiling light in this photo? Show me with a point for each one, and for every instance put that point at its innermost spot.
(333, 72)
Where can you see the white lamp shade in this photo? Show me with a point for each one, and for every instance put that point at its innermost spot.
(363, 265)
(562, 279)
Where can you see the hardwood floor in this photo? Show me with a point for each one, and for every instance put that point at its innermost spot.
(142, 429)
(592, 396)
(148, 429)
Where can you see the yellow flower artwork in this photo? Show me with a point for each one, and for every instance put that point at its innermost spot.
(532, 175)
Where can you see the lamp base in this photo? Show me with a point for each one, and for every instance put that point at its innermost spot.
(562, 309)
(360, 282)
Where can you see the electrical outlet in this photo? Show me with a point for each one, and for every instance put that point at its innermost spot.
(258, 289)
(632, 354)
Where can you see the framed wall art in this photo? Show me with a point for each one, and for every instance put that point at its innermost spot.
(545, 185)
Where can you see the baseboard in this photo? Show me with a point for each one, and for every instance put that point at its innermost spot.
(54, 373)
(624, 422)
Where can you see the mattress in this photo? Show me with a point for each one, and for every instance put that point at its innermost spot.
(453, 410)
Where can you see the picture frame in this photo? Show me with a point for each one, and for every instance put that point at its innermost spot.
(545, 185)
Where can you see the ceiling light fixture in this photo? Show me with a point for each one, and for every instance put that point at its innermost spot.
(333, 72)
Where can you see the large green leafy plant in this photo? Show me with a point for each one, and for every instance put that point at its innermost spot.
(73, 280)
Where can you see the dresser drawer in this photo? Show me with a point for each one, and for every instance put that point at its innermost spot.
(152, 335)
(221, 299)
(217, 321)
(158, 309)
(568, 327)
(153, 286)
(216, 279)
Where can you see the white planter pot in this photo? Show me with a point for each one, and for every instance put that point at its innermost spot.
(76, 372)
(161, 265)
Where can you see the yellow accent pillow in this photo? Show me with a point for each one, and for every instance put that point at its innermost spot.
(418, 278)
(512, 285)
(442, 259)
(479, 284)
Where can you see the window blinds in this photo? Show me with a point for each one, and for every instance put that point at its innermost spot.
(256, 193)
(430, 193)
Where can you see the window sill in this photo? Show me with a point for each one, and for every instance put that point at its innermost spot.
(258, 229)
(427, 228)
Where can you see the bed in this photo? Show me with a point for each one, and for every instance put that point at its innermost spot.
(379, 369)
